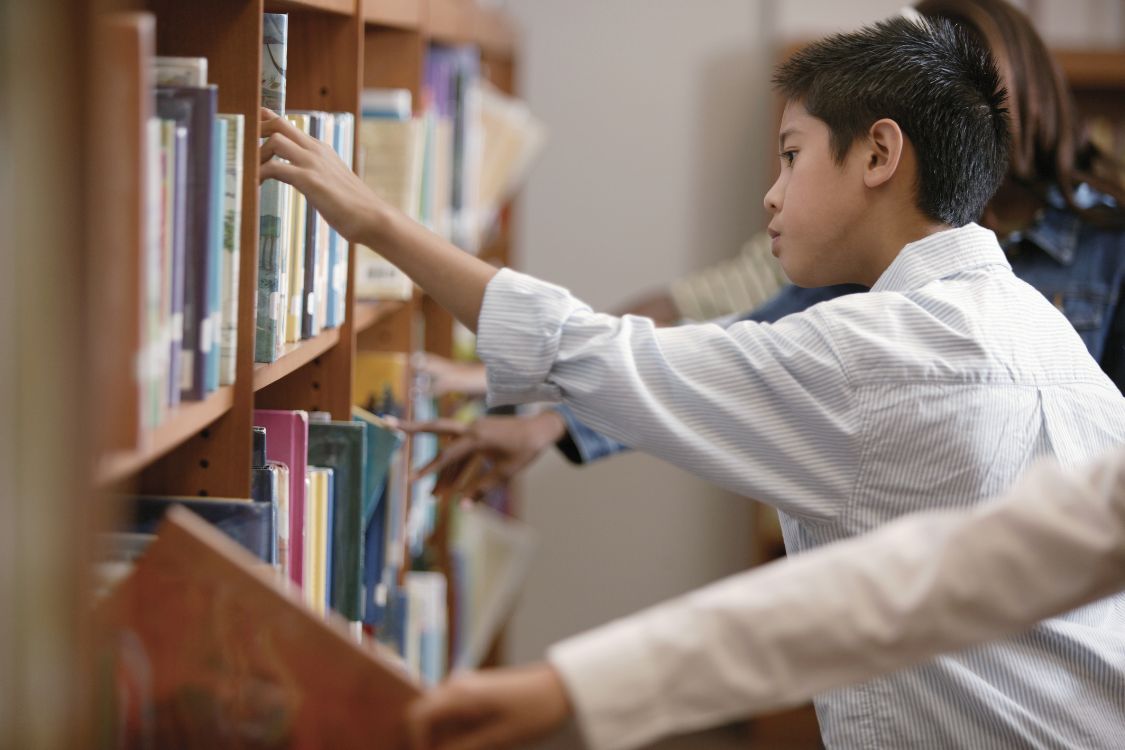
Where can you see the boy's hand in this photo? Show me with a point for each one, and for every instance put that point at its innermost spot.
(315, 169)
(488, 452)
(489, 710)
(447, 376)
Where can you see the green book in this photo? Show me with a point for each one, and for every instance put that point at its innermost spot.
(342, 447)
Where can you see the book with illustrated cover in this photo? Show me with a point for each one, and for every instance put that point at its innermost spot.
(274, 207)
(342, 447)
(297, 249)
(250, 523)
(209, 649)
(232, 245)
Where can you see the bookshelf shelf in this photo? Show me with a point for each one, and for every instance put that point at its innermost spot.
(1085, 69)
(402, 14)
(368, 314)
(184, 422)
(295, 357)
(451, 21)
(341, 7)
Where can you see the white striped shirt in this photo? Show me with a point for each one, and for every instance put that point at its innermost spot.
(934, 390)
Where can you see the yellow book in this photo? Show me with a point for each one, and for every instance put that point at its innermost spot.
(381, 381)
(296, 269)
(316, 541)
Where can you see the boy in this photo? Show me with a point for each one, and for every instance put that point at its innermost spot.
(934, 390)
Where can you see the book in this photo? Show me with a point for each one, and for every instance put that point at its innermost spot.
(381, 382)
(209, 650)
(287, 435)
(338, 260)
(315, 288)
(280, 473)
(213, 322)
(249, 523)
(316, 537)
(232, 245)
(273, 200)
(180, 71)
(383, 442)
(426, 625)
(175, 278)
(195, 109)
(341, 446)
(298, 247)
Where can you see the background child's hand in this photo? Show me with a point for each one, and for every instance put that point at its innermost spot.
(489, 710)
(316, 170)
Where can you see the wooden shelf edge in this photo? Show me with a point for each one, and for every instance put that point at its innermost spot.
(295, 356)
(1092, 68)
(185, 421)
(338, 7)
(369, 313)
(495, 32)
(401, 14)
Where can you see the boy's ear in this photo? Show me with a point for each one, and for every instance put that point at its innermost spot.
(885, 146)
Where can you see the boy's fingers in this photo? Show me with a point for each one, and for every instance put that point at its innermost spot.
(454, 452)
(278, 170)
(271, 124)
(279, 145)
(436, 426)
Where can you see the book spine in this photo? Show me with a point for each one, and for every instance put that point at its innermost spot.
(309, 321)
(273, 210)
(298, 212)
(232, 242)
(215, 247)
(323, 268)
(176, 272)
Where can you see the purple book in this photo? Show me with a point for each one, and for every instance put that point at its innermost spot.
(287, 437)
(179, 219)
(195, 108)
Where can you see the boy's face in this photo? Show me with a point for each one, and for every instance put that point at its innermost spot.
(816, 205)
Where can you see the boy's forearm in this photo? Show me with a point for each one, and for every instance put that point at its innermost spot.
(454, 278)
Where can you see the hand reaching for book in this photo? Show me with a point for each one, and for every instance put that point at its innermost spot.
(488, 452)
(315, 169)
(489, 710)
(445, 376)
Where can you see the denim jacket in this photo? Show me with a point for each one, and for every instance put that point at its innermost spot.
(1079, 267)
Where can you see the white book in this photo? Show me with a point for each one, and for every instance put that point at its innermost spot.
(181, 71)
(232, 246)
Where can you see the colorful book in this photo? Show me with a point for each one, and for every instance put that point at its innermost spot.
(298, 247)
(180, 71)
(274, 206)
(338, 258)
(248, 522)
(287, 442)
(211, 651)
(232, 245)
(214, 319)
(194, 109)
(383, 442)
(341, 446)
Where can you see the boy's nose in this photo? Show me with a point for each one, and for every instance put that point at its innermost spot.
(772, 201)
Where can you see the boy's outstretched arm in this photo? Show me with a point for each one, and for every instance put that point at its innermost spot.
(455, 279)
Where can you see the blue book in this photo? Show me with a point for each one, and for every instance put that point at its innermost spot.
(383, 442)
(214, 322)
(249, 523)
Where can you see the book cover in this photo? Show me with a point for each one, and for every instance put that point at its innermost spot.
(381, 382)
(316, 538)
(282, 527)
(176, 271)
(383, 442)
(299, 214)
(310, 322)
(228, 657)
(232, 245)
(248, 522)
(180, 71)
(340, 260)
(273, 206)
(213, 324)
(341, 446)
(323, 269)
(287, 435)
(194, 109)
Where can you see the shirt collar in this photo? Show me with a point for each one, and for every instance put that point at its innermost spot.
(1056, 227)
(939, 256)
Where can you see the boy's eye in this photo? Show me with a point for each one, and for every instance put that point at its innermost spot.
(787, 157)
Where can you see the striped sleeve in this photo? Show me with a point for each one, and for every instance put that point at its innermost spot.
(763, 410)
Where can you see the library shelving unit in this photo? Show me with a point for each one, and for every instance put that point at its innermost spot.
(335, 48)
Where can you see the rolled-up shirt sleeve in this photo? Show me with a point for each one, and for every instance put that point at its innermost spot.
(929, 583)
(764, 410)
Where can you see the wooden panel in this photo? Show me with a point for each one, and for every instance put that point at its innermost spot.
(395, 59)
(1093, 70)
(451, 21)
(339, 7)
(406, 14)
(439, 328)
(323, 68)
(367, 314)
(184, 422)
(295, 357)
(495, 32)
(394, 333)
(119, 226)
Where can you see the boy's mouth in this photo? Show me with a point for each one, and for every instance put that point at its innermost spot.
(774, 237)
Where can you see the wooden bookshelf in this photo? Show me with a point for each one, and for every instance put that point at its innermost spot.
(335, 48)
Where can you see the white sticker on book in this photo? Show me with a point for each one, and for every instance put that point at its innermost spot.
(295, 306)
(187, 358)
(205, 335)
(178, 327)
(311, 305)
(275, 305)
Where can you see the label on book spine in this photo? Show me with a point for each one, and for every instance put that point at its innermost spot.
(205, 335)
(187, 359)
(177, 327)
(311, 304)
